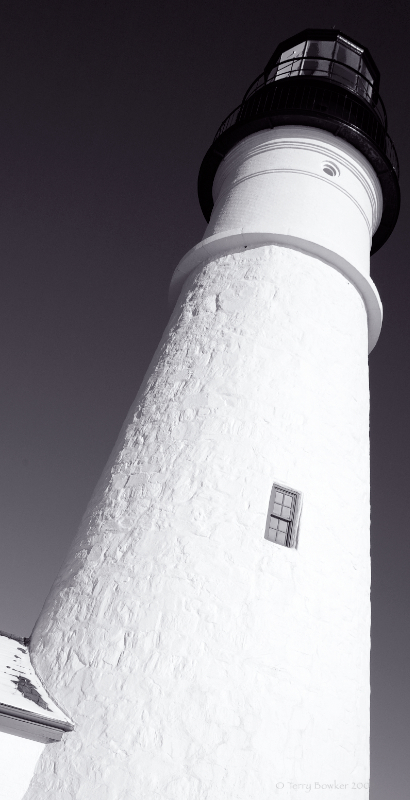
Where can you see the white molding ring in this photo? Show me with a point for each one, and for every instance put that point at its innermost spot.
(231, 241)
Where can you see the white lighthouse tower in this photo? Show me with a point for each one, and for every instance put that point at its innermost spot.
(209, 634)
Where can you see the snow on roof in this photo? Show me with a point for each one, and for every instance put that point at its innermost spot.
(25, 707)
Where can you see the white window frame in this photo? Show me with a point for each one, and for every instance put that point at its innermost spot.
(292, 521)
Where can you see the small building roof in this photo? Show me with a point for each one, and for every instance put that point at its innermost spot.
(25, 707)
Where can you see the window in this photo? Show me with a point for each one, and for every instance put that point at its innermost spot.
(289, 63)
(283, 516)
(338, 60)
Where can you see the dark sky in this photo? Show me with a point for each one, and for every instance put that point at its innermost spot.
(106, 110)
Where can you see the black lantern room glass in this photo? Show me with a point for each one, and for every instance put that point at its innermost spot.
(340, 61)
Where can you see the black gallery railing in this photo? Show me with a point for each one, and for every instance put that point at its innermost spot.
(356, 80)
(318, 98)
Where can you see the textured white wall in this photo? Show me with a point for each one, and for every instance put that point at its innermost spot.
(18, 758)
(197, 659)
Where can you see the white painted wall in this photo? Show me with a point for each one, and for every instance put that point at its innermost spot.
(197, 659)
(18, 758)
(276, 181)
(273, 188)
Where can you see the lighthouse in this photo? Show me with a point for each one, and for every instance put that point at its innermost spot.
(208, 637)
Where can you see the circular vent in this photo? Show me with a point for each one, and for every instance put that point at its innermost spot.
(331, 169)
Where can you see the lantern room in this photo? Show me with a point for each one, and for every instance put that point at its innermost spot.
(327, 55)
(322, 79)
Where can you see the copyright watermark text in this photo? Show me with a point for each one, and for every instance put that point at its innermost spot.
(314, 786)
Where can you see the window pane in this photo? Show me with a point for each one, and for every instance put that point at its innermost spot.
(317, 61)
(311, 63)
(279, 497)
(346, 55)
(325, 49)
(365, 84)
(294, 52)
(289, 63)
(288, 500)
(344, 75)
(281, 538)
(352, 58)
(365, 72)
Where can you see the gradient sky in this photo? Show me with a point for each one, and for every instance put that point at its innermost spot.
(106, 110)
